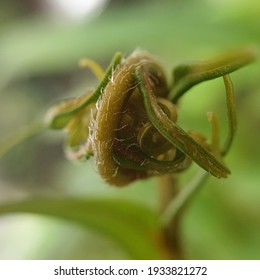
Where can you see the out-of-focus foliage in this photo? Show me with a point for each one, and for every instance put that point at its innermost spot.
(119, 219)
(38, 58)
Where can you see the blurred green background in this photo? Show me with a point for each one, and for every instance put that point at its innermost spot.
(40, 47)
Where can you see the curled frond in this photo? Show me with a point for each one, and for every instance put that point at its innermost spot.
(129, 123)
(126, 144)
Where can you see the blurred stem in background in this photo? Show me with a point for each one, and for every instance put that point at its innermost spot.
(21, 135)
(168, 190)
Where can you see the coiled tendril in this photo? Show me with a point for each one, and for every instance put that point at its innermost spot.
(129, 123)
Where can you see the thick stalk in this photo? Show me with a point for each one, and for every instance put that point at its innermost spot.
(168, 189)
(172, 204)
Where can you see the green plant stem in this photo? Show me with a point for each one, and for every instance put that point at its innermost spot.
(11, 141)
(179, 202)
(231, 112)
(168, 190)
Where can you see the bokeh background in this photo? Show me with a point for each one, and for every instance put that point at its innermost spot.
(41, 42)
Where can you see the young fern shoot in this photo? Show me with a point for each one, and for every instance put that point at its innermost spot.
(129, 123)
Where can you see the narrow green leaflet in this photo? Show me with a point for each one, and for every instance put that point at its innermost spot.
(135, 227)
(175, 134)
(188, 75)
(59, 116)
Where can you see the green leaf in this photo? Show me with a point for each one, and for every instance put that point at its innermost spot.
(60, 115)
(189, 75)
(135, 227)
(174, 133)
